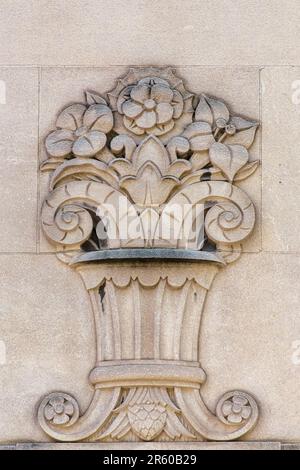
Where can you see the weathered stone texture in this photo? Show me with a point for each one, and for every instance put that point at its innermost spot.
(246, 53)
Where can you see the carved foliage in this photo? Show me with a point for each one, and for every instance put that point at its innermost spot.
(150, 146)
(147, 412)
(153, 143)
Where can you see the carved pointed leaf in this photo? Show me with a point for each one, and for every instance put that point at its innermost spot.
(203, 111)
(244, 137)
(241, 123)
(175, 429)
(149, 187)
(94, 98)
(151, 150)
(197, 129)
(229, 158)
(218, 110)
(246, 171)
(149, 219)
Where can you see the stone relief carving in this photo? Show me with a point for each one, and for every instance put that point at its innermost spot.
(143, 205)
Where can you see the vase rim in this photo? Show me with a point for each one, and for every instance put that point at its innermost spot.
(151, 254)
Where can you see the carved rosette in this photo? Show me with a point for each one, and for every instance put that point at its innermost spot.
(143, 204)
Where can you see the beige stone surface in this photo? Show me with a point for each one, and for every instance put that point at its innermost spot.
(18, 211)
(18, 158)
(19, 114)
(238, 87)
(221, 32)
(280, 156)
(247, 341)
(245, 53)
(148, 314)
(249, 333)
(46, 326)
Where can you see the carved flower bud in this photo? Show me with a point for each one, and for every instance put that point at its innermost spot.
(230, 129)
(221, 123)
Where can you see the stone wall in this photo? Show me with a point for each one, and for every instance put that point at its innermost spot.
(244, 52)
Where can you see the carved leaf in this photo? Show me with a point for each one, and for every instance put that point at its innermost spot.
(244, 137)
(199, 135)
(241, 123)
(179, 168)
(98, 117)
(71, 117)
(89, 144)
(199, 160)
(93, 98)
(51, 163)
(210, 109)
(149, 188)
(151, 150)
(83, 169)
(246, 171)
(59, 143)
(229, 158)
(203, 111)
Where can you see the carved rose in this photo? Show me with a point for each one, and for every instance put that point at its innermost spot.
(80, 130)
(161, 145)
(59, 410)
(236, 409)
(150, 107)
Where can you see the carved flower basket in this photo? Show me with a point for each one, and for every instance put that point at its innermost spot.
(143, 206)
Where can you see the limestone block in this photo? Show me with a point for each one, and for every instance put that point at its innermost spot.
(280, 156)
(46, 331)
(19, 114)
(18, 158)
(138, 32)
(250, 339)
(18, 211)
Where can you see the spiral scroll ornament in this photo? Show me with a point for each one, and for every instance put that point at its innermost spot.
(72, 225)
(229, 220)
(237, 408)
(226, 222)
(58, 409)
(144, 203)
